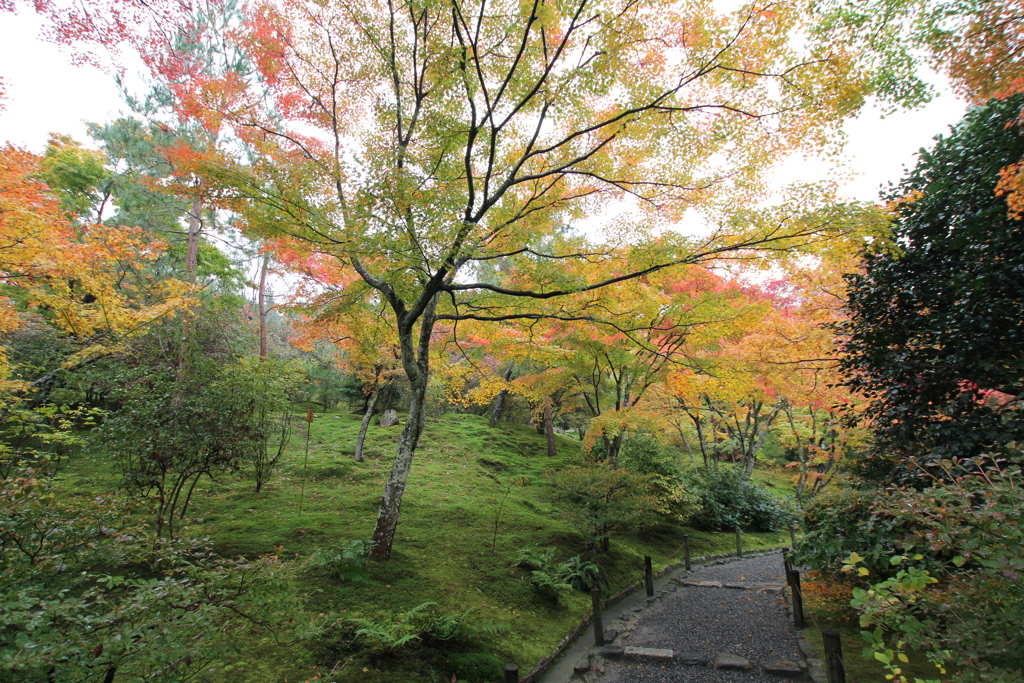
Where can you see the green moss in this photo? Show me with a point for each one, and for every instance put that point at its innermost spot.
(443, 547)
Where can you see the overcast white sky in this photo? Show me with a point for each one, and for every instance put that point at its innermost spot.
(46, 94)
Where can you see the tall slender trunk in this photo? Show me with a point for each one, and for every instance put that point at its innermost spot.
(195, 226)
(700, 441)
(549, 428)
(759, 432)
(261, 303)
(801, 455)
(416, 362)
(371, 406)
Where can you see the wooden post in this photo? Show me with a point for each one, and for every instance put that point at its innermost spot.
(792, 537)
(793, 579)
(649, 576)
(739, 543)
(686, 552)
(786, 563)
(511, 673)
(595, 595)
(833, 656)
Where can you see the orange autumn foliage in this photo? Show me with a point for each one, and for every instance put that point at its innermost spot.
(80, 277)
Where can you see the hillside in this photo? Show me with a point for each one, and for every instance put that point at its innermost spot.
(443, 551)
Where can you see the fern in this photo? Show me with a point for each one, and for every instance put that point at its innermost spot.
(389, 635)
(443, 627)
(347, 561)
(535, 560)
(583, 575)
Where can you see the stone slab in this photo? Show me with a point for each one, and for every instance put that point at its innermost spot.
(738, 586)
(692, 659)
(727, 661)
(782, 667)
(581, 667)
(647, 653)
(612, 651)
(703, 584)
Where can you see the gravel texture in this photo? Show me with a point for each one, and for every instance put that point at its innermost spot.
(709, 620)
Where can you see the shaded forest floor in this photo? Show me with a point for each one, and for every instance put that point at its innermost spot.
(445, 551)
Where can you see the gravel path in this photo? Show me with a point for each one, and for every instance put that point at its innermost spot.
(708, 620)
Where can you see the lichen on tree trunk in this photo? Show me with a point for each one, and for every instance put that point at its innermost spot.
(415, 362)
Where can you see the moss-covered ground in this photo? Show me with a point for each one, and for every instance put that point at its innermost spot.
(445, 550)
(827, 606)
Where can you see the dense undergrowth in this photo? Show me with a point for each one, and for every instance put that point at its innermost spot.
(477, 496)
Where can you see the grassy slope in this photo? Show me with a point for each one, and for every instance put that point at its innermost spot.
(442, 550)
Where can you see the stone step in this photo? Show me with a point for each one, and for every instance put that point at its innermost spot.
(656, 654)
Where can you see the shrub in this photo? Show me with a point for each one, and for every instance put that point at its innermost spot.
(599, 499)
(645, 455)
(84, 597)
(476, 667)
(963, 602)
(728, 501)
(347, 562)
(842, 520)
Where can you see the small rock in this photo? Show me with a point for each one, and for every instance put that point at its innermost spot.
(613, 651)
(773, 590)
(581, 667)
(609, 634)
(724, 660)
(647, 653)
(692, 659)
(782, 667)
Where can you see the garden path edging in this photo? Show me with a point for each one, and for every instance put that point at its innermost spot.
(572, 640)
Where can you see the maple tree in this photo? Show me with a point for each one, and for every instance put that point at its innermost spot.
(72, 274)
(421, 171)
(414, 141)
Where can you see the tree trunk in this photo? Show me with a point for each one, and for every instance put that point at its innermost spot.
(391, 501)
(372, 404)
(416, 363)
(499, 403)
(759, 434)
(611, 449)
(802, 455)
(261, 302)
(195, 226)
(549, 428)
